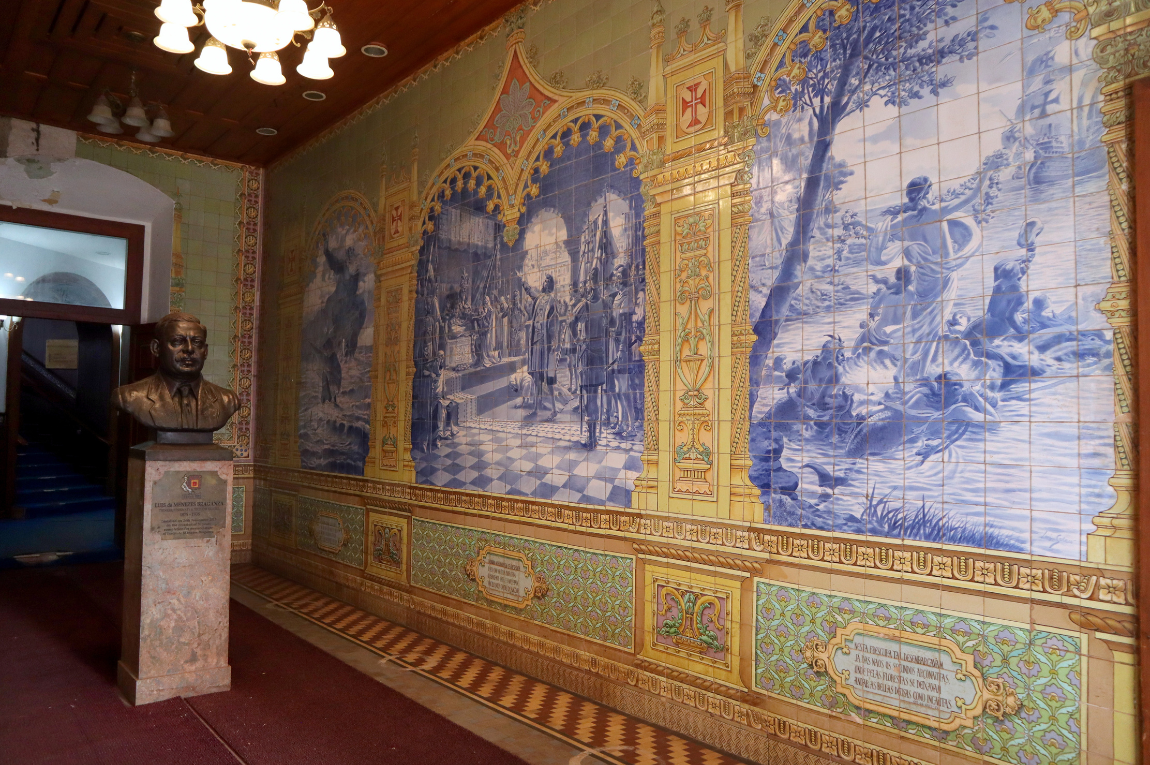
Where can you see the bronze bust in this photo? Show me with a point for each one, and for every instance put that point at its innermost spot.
(177, 401)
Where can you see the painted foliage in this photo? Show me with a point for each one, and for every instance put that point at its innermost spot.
(336, 344)
(929, 247)
(528, 376)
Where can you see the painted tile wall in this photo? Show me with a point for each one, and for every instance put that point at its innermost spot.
(1044, 670)
(943, 371)
(901, 433)
(589, 594)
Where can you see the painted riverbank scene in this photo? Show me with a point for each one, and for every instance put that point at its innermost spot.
(929, 248)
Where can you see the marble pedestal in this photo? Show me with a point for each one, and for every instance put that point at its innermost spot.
(177, 574)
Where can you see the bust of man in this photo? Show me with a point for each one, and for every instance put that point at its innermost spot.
(177, 398)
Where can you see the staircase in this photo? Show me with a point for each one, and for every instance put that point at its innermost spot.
(65, 515)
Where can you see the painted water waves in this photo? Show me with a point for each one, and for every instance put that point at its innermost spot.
(930, 244)
(528, 376)
(336, 346)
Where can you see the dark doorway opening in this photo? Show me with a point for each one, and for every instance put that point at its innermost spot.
(70, 294)
(60, 487)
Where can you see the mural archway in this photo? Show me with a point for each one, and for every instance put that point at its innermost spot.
(528, 372)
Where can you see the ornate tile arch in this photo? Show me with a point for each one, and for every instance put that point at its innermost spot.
(505, 156)
(344, 199)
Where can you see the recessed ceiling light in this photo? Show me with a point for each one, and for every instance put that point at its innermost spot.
(313, 95)
(267, 131)
(374, 50)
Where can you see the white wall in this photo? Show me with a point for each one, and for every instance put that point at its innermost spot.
(82, 187)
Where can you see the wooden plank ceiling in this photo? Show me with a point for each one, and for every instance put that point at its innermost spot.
(57, 56)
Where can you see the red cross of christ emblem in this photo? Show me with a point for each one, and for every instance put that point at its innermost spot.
(396, 220)
(697, 100)
(694, 98)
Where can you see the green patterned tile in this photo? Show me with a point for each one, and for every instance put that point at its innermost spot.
(261, 511)
(1043, 668)
(330, 529)
(238, 509)
(590, 593)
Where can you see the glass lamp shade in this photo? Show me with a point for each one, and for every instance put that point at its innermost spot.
(213, 58)
(173, 38)
(101, 112)
(314, 65)
(294, 13)
(162, 126)
(111, 128)
(135, 114)
(327, 41)
(248, 26)
(267, 71)
(147, 136)
(178, 12)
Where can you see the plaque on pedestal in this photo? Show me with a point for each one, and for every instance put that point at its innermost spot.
(178, 542)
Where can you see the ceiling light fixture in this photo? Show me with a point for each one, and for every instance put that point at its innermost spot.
(109, 113)
(268, 71)
(374, 50)
(313, 95)
(267, 131)
(214, 58)
(257, 27)
(315, 66)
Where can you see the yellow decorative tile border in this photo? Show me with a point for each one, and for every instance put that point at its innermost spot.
(1013, 574)
(716, 607)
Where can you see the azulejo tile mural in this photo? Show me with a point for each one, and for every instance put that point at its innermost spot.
(930, 246)
(528, 376)
(588, 593)
(336, 345)
(330, 529)
(987, 688)
(845, 298)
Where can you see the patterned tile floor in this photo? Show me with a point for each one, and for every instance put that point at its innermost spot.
(606, 734)
(534, 459)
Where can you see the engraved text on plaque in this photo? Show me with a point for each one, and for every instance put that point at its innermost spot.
(189, 504)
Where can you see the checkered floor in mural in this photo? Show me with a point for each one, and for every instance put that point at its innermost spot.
(611, 736)
(535, 459)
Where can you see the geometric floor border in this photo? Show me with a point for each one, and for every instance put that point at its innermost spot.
(608, 735)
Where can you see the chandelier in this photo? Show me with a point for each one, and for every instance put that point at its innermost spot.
(257, 27)
(109, 114)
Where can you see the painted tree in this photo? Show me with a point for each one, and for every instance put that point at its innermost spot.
(856, 52)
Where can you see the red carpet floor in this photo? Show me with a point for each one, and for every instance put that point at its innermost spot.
(289, 703)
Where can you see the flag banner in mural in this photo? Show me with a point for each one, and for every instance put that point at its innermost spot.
(336, 346)
(528, 376)
(929, 249)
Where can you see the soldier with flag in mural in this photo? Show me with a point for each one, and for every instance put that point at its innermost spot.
(591, 326)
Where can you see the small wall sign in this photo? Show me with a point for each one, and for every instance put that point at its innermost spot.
(506, 577)
(926, 680)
